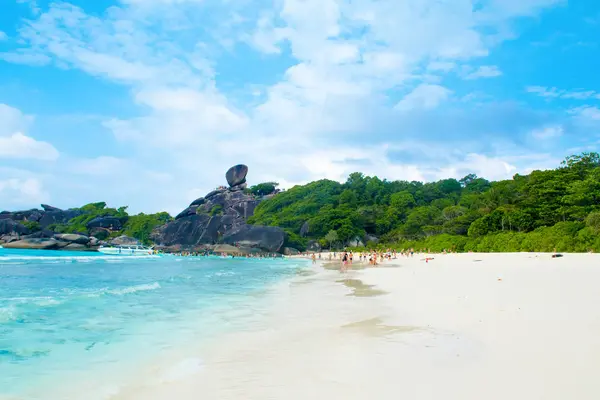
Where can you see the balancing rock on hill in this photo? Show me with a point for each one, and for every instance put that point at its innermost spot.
(236, 175)
(220, 218)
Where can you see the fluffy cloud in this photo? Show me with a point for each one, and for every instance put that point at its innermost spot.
(424, 96)
(330, 111)
(485, 71)
(548, 132)
(14, 144)
(553, 92)
(19, 192)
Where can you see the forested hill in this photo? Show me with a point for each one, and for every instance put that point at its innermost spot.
(557, 208)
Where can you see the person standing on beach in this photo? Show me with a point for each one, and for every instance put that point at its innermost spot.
(314, 258)
(344, 262)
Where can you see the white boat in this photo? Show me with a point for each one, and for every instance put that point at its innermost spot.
(126, 250)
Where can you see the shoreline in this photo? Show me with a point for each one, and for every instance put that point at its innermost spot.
(463, 326)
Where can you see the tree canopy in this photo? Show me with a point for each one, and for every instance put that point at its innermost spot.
(558, 208)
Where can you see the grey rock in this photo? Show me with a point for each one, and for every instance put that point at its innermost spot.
(236, 175)
(99, 233)
(184, 232)
(76, 247)
(227, 249)
(72, 238)
(269, 238)
(313, 245)
(11, 237)
(125, 240)
(214, 193)
(43, 234)
(356, 242)
(112, 223)
(304, 229)
(240, 187)
(197, 202)
(8, 226)
(191, 210)
(290, 251)
(58, 217)
(34, 244)
(47, 208)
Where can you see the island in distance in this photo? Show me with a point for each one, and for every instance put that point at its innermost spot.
(216, 222)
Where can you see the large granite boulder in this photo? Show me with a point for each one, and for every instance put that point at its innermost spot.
(125, 240)
(8, 226)
(191, 210)
(58, 216)
(236, 175)
(269, 238)
(185, 231)
(48, 208)
(72, 238)
(220, 218)
(34, 244)
(228, 249)
(112, 223)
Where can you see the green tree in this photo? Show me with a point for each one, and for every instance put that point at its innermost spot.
(332, 238)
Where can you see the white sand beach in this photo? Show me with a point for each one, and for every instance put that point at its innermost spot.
(466, 326)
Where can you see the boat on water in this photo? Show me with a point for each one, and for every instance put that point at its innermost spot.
(127, 250)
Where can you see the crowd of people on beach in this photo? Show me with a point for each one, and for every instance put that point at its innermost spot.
(373, 257)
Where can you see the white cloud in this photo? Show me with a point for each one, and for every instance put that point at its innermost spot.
(345, 58)
(22, 192)
(20, 146)
(485, 71)
(491, 168)
(16, 145)
(548, 132)
(441, 66)
(552, 92)
(424, 96)
(587, 112)
(3, 36)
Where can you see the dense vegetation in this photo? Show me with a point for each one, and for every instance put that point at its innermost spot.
(544, 210)
(138, 226)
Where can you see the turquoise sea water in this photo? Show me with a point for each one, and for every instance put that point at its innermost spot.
(70, 316)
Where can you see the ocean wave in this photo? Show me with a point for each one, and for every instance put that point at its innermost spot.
(134, 289)
(71, 259)
(7, 314)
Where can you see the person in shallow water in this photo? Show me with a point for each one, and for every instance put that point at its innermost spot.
(344, 262)
(314, 258)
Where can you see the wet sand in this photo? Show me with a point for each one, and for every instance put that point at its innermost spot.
(460, 327)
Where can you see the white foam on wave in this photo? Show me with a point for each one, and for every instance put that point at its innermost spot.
(136, 288)
(7, 314)
(67, 259)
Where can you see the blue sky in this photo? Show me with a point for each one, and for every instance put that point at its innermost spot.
(147, 103)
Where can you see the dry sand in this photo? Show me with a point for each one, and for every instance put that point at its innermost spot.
(461, 327)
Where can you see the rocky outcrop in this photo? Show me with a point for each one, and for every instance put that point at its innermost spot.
(228, 249)
(34, 244)
(124, 240)
(220, 218)
(111, 223)
(290, 251)
(269, 238)
(52, 215)
(72, 238)
(313, 245)
(8, 226)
